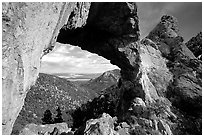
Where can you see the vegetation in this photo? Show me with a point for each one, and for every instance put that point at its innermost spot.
(105, 103)
(58, 118)
(47, 119)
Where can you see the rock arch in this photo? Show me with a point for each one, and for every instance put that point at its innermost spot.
(30, 30)
(111, 31)
(107, 29)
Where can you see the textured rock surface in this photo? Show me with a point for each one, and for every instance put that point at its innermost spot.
(101, 126)
(186, 89)
(33, 129)
(195, 45)
(164, 128)
(138, 106)
(28, 29)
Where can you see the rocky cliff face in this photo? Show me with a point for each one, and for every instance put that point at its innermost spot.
(28, 29)
(195, 45)
(152, 69)
(185, 88)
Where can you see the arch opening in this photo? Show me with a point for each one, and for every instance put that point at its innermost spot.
(73, 63)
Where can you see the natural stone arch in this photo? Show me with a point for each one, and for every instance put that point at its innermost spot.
(106, 33)
(30, 30)
(111, 31)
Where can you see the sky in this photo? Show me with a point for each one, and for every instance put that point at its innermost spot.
(66, 58)
(71, 59)
(188, 14)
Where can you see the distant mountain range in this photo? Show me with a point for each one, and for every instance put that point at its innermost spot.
(105, 80)
(51, 91)
(77, 76)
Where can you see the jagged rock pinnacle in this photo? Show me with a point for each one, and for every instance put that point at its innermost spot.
(166, 28)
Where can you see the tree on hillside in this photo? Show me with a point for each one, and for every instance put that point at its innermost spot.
(47, 119)
(58, 118)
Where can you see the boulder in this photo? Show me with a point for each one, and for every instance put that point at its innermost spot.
(123, 128)
(101, 126)
(49, 129)
(124, 125)
(138, 106)
(123, 131)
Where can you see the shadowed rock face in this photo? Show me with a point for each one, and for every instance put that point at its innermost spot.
(107, 24)
(195, 45)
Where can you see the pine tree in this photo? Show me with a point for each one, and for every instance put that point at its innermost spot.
(58, 118)
(47, 119)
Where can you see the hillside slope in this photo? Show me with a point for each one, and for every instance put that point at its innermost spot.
(49, 92)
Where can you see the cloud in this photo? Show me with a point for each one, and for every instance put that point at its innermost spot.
(69, 59)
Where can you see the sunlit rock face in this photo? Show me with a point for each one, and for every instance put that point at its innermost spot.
(27, 30)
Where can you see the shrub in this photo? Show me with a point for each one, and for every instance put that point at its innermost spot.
(47, 119)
